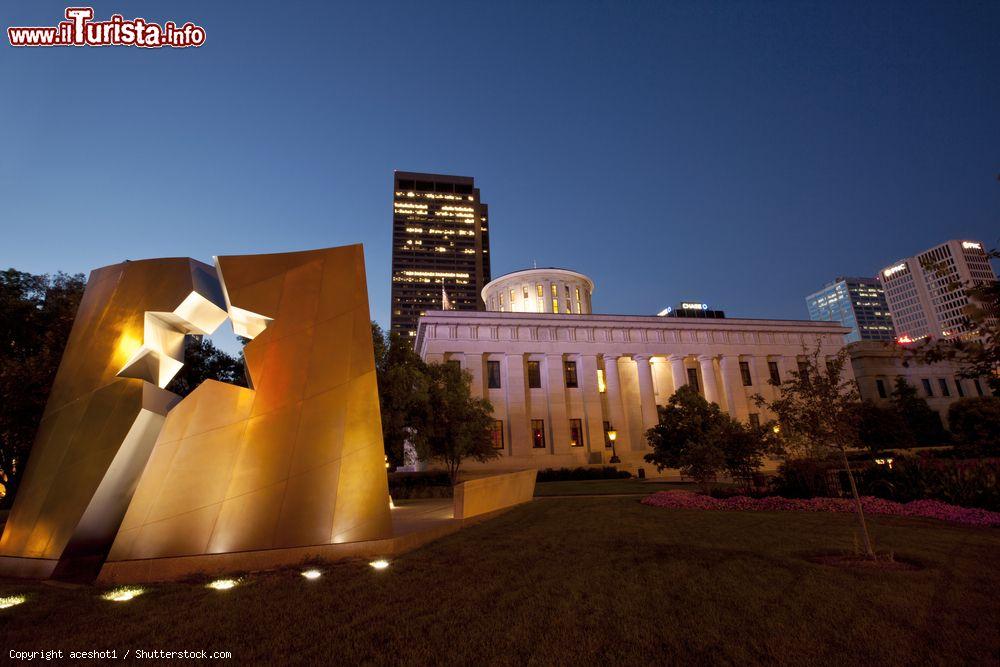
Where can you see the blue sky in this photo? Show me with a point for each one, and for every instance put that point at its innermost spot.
(741, 154)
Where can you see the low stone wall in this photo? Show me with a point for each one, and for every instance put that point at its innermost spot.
(488, 494)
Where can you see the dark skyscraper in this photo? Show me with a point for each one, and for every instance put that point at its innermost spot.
(440, 238)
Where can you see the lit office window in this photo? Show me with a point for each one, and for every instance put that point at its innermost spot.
(575, 433)
(745, 374)
(497, 434)
(569, 372)
(538, 433)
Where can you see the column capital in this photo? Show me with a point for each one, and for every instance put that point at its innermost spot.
(611, 355)
(676, 357)
(729, 358)
(705, 358)
(642, 357)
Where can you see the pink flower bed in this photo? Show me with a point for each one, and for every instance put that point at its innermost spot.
(930, 509)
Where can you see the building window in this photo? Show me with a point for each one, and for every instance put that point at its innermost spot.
(693, 378)
(772, 368)
(569, 372)
(538, 291)
(497, 434)
(745, 374)
(524, 292)
(830, 371)
(538, 433)
(501, 303)
(880, 387)
(959, 388)
(555, 298)
(927, 387)
(754, 420)
(607, 440)
(979, 387)
(804, 371)
(943, 383)
(493, 374)
(534, 375)
(512, 297)
(575, 433)
(454, 363)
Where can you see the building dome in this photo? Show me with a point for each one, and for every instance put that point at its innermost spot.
(540, 291)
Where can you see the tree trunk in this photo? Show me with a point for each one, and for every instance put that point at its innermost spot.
(869, 552)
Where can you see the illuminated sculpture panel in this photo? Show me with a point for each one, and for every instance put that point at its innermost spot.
(105, 410)
(120, 465)
(298, 459)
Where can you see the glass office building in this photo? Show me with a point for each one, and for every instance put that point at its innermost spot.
(857, 303)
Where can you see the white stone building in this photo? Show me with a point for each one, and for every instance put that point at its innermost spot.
(558, 381)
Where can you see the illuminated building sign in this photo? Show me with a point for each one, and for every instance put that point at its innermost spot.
(687, 305)
(893, 270)
(970, 245)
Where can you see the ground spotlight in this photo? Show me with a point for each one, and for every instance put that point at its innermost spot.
(122, 594)
(380, 564)
(223, 584)
(11, 601)
(312, 574)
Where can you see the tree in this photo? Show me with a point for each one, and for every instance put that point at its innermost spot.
(458, 426)
(36, 315)
(697, 438)
(402, 391)
(923, 422)
(977, 347)
(975, 423)
(882, 428)
(203, 361)
(817, 411)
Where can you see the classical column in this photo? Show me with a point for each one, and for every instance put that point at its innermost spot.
(708, 378)
(647, 396)
(555, 392)
(515, 388)
(593, 414)
(613, 393)
(677, 372)
(732, 386)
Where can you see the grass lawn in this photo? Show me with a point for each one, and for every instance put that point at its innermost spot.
(576, 581)
(586, 487)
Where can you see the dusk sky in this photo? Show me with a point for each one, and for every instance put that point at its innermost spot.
(742, 155)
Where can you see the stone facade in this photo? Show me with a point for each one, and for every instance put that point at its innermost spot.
(623, 367)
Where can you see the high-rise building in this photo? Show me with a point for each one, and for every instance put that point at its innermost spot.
(440, 247)
(857, 303)
(921, 294)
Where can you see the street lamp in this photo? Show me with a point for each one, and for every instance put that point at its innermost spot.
(612, 436)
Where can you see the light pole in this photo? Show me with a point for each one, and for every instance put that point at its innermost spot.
(612, 436)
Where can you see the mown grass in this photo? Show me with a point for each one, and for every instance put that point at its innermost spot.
(601, 487)
(576, 581)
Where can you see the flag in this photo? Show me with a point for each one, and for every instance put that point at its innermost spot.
(445, 301)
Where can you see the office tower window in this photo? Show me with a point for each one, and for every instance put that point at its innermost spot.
(979, 387)
(959, 388)
(927, 387)
(538, 433)
(693, 378)
(569, 372)
(745, 374)
(772, 368)
(607, 438)
(493, 374)
(534, 375)
(575, 433)
(880, 387)
(943, 384)
(754, 420)
(497, 434)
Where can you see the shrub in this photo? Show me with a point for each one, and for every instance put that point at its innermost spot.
(967, 483)
(567, 474)
(805, 478)
(975, 423)
(426, 484)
